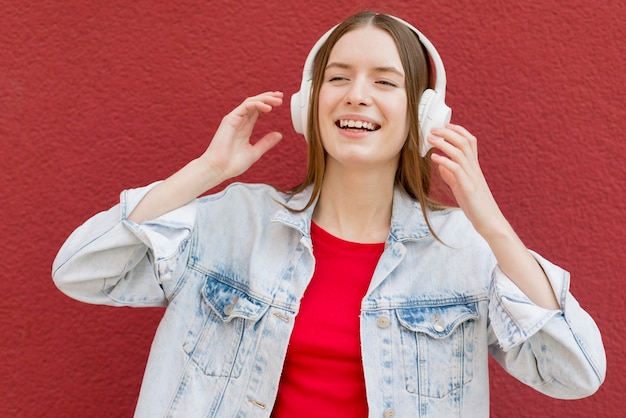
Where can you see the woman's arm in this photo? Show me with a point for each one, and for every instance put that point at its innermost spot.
(121, 256)
(557, 350)
(462, 173)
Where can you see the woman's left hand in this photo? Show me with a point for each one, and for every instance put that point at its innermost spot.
(460, 170)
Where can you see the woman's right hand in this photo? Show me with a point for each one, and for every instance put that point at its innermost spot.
(230, 152)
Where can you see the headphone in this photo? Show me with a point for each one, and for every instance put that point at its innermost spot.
(432, 110)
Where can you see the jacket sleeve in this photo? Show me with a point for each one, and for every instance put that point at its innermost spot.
(112, 261)
(557, 352)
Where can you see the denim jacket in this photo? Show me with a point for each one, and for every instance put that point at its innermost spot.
(232, 267)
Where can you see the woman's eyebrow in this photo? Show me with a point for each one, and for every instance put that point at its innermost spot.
(382, 69)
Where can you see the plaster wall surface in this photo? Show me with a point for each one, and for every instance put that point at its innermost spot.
(96, 97)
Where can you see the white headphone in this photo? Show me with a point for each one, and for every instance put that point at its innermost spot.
(432, 112)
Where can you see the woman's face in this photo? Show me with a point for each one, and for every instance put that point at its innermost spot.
(363, 102)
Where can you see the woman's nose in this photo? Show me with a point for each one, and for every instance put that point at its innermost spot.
(358, 93)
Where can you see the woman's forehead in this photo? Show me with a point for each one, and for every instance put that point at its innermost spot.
(366, 43)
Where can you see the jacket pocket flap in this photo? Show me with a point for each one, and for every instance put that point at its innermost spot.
(229, 302)
(436, 321)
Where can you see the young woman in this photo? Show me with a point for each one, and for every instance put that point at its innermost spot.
(354, 294)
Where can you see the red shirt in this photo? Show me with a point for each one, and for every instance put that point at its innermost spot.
(323, 372)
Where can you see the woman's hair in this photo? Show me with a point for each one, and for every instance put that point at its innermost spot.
(414, 171)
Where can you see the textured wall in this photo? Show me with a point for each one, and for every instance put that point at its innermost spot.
(100, 96)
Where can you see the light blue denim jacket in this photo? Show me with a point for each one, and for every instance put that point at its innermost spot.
(232, 267)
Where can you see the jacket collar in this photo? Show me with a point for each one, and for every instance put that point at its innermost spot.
(300, 221)
(407, 220)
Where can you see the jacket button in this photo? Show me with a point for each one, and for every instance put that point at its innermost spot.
(439, 325)
(389, 413)
(228, 309)
(383, 321)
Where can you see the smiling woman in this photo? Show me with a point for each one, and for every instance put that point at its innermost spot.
(355, 293)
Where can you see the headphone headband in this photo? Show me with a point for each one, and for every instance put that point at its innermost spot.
(433, 112)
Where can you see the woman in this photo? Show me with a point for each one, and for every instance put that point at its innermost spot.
(352, 294)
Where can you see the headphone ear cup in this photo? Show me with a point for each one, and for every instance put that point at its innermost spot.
(296, 117)
(424, 104)
(424, 121)
(300, 108)
(432, 113)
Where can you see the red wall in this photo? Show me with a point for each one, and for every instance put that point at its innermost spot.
(100, 96)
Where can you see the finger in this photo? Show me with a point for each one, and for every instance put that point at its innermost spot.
(459, 129)
(245, 115)
(449, 147)
(271, 98)
(269, 94)
(447, 163)
(451, 142)
(463, 135)
(446, 168)
(251, 107)
(266, 143)
(262, 104)
(458, 144)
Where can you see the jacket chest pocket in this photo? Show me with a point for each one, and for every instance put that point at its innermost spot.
(437, 347)
(222, 333)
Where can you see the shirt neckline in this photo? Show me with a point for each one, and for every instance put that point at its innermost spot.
(317, 232)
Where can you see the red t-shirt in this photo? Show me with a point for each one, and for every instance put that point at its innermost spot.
(323, 372)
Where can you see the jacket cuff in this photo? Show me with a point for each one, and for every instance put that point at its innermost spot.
(166, 236)
(514, 317)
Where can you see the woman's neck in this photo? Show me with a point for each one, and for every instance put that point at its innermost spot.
(355, 205)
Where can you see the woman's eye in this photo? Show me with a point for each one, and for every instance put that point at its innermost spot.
(387, 83)
(336, 78)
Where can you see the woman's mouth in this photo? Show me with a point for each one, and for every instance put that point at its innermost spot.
(353, 124)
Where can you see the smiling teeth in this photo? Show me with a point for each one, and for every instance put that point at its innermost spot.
(359, 124)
